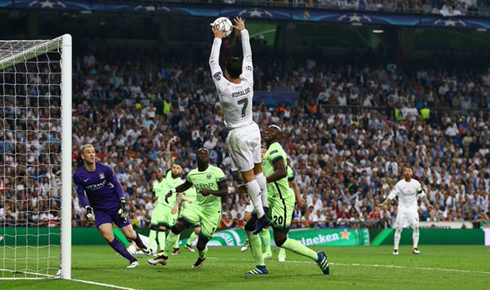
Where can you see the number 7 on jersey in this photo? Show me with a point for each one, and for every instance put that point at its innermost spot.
(243, 102)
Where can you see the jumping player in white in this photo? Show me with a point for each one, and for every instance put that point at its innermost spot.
(408, 191)
(235, 92)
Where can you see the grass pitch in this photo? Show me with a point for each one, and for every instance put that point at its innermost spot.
(437, 267)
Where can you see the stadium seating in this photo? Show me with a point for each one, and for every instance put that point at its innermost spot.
(348, 136)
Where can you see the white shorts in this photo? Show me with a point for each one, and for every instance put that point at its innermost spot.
(405, 219)
(244, 146)
(249, 207)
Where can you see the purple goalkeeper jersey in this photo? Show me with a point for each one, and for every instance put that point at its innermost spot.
(101, 187)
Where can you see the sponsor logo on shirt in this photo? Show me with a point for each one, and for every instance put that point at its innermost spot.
(96, 186)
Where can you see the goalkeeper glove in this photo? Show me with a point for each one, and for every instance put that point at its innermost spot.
(123, 210)
(90, 214)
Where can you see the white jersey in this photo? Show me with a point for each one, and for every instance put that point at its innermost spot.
(236, 99)
(408, 193)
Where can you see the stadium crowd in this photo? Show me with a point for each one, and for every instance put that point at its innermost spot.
(444, 7)
(348, 135)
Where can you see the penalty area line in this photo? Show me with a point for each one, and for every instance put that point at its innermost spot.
(101, 284)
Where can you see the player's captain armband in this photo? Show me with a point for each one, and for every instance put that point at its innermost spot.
(217, 76)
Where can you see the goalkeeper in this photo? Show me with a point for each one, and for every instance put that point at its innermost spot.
(101, 194)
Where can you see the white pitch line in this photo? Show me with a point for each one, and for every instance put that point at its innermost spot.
(409, 268)
(101, 284)
(378, 266)
(23, 278)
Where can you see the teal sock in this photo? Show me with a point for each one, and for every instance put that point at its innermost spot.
(171, 239)
(152, 237)
(256, 248)
(281, 253)
(300, 249)
(176, 243)
(162, 235)
(266, 241)
(202, 254)
(191, 239)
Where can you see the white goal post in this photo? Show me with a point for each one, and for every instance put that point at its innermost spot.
(35, 158)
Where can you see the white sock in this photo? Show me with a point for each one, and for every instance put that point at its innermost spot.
(253, 190)
(263, 188)
(415, 237)
(398, 234)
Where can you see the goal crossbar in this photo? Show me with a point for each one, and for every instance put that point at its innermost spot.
(29, 53)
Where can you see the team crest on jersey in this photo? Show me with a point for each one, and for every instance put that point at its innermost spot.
(209, 176)
(249, 68)
(101, 175)
(217, 76)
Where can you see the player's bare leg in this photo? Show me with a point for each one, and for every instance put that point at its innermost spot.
(106, 232)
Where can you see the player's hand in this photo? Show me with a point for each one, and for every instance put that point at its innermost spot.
(301, 203)
(204, 192)
(430, 207)
(239, 23)
(90, 214)
(241, 189)
(123, 210)
(218, 33)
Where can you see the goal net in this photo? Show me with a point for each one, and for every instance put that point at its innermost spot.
(35, 158)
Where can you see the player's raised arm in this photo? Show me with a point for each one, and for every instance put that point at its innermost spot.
(216, 71)
(168, 153)
(247, 65)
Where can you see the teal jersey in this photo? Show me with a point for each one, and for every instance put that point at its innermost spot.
(162, 188)
(190, 194)
(279, 188)
(207, 179)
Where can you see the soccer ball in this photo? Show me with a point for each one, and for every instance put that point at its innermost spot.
(224, 24)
